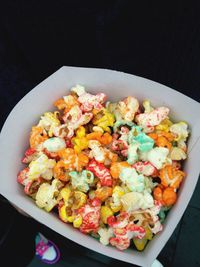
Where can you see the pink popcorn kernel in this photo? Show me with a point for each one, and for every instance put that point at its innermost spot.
(154, 117)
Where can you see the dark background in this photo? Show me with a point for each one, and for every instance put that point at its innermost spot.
(159, 40)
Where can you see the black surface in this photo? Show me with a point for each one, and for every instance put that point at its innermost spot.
(17, 236)
(153, 39)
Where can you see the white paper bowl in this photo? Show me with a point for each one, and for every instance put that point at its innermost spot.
(15, 134)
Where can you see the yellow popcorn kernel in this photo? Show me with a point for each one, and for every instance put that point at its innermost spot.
(105, 213)
(46, 196)
(80, 132)
(65, 194)
(118, 190)
(149, 234)
(80, 141)
(125, 188)
(79, 199)
(77, 221)
(164, 125)
(104, 119)
(63, 214)
(115, 208)
(140, 243)
(49, 121)
(147, 106)
(50, 206)
(70, 218)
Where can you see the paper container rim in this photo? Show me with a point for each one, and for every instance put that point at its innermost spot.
(140, 258)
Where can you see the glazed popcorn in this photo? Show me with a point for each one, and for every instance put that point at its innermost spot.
(112, 170)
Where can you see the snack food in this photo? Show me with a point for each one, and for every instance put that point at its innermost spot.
(110, 169)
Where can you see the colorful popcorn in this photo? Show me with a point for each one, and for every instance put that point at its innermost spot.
(112, 170)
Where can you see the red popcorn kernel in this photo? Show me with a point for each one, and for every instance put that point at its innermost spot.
(119, 221)
(32, 186)
(91, 217)
(176, 164)
(22, 176)
(120, 242)
(30, 151)
(51, 155)
(138, 231)
(101, 172)
(95, 202)
(119, 145)
(111, 220)
(29, 155)
(130, 230)
(120, 231)
(69, 143)
(124, 230)
(145, 168)
(115, 136)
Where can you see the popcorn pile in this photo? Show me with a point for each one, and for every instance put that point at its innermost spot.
(111, 169)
